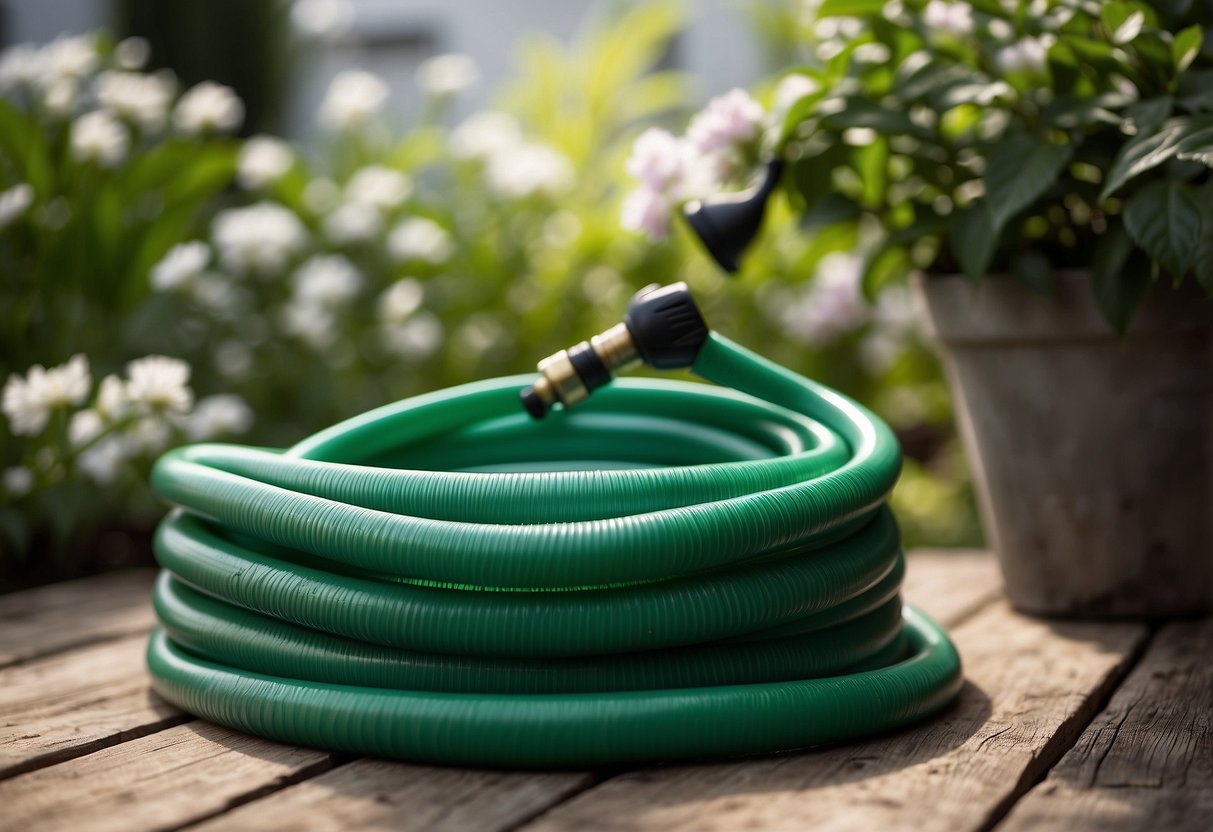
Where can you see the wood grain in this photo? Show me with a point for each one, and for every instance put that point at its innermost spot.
(1146, 762)
(1031, 689)
(377, 794)
(951, 584)
(76, 702)
(86, 611)
(166, 780)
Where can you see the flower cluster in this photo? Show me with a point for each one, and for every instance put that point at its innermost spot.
(720, 142)
(98, 435)
(314, 251)
(110, 102)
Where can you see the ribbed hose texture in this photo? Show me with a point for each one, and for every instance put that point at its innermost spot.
(668, 571)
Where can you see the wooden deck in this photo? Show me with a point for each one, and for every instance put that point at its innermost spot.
(1066, 726)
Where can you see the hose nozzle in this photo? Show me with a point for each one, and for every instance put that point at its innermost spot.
(662, 328)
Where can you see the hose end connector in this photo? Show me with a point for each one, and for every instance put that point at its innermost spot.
(662, 328)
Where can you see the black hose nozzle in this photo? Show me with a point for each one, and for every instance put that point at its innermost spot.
(662, 328)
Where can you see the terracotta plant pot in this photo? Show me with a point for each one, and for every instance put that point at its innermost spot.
(1092, 455)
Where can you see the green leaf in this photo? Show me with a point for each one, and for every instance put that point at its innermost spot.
(1035, 271)
(1129, 28)
(871, 163)
(1202, 264)
(1147, 115)
(1165, 220)
(849, 8)
(1020, 169)
(1186, 46)
(1070, 112)
(1146, 151)
(974, 240)
(890, 263)
(860, 112)
(1120, 276)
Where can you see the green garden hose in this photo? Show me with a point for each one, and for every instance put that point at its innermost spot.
(667, 571)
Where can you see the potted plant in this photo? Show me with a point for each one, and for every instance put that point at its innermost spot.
(1042, 170)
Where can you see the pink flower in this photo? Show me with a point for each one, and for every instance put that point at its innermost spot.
(646, 209)
(729, 120)
(658, 159)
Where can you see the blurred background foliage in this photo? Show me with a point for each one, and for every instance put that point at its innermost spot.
(374, 259)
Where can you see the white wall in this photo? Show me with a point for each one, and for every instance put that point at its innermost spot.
(390, 37)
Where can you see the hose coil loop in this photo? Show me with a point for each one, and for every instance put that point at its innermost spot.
(672, 570)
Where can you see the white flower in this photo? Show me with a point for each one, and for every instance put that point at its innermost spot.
(102, 462)
(160, 383)
(149, 435)
(263, 161)
(400, 300)
(327, 20)
(18, 481)
(217, 416)
(830, 305)
(309, 322)
(68, 58)
(378, 186)
(183, 263)
(519, 172)
(28, 401)
(1000, 29)
(14, 203)
(233, 359)
(62, 97)
(648, 210)
(729, 120)
(20, 66)
(952, 17)
(327, 280)
(670, 170)
(321, 195)
(417, 338)
(354, 222)
(483, 134)
(260, 238)
(353, 99)
(418, 238)
(85, 426)
(658, 159)
(215, 292)
(99, 137)
(447, 75)
(132, 53)
(208, 107)
(144, 99)
(111, 401)
(1028, 55)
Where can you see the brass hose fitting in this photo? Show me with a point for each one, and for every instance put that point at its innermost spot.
(662, 327)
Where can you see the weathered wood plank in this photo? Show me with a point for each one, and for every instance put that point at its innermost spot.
(385, 795)
(380, 794)
(951, 584)
(1146, 762)
(166, 780)
(1032, 687)
(76, 702)
(86, 611)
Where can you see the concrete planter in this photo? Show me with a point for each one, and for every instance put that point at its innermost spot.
(1092, 456)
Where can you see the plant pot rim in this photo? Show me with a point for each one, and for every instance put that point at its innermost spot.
(1000, 309)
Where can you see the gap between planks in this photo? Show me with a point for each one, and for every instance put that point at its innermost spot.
(1032, 687)
(41, 622)
(1147, 760)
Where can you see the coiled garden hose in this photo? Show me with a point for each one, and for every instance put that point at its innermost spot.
(667, 571)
